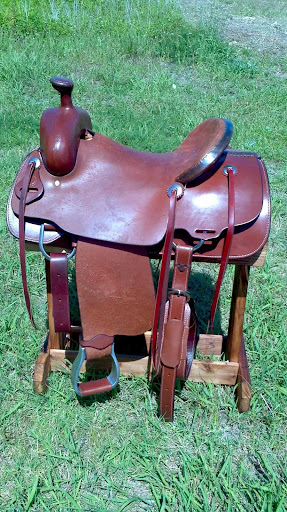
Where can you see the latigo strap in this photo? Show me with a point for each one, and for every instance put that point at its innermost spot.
(230, 172)
(176, 348)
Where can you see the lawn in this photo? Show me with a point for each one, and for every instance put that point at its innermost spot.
(147, 71)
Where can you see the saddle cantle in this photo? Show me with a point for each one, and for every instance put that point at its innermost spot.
(117, 206)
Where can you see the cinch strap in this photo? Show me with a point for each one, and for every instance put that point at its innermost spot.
(60, 291)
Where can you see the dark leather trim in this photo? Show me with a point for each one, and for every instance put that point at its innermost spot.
(210, 158)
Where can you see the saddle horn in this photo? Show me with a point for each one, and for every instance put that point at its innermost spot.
(61, 129)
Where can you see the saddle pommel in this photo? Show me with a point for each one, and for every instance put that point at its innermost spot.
(61, 129)
(64, 86)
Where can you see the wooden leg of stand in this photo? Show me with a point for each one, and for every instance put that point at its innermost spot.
(235, 349)
(41, 372)
(243, 390)
(237, 310)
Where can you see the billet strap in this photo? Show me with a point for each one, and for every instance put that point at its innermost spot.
(230, 171)
(32, 164)
(176, 348)
(60, 291)
(175, 192)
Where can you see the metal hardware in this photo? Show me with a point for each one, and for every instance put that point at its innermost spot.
(41, 245)
(179, 190)
(113, 377)
(179, 293)
(227, 168)
(195, 248)
(198, 245)
(34, 160)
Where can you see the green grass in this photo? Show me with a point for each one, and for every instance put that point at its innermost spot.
(113, 453)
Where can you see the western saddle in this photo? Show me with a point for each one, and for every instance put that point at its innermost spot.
(117, 208)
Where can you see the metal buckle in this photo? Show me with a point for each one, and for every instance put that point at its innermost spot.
(41, 245)
(179, 293)
(113, 377)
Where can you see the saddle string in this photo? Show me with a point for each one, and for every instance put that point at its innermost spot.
(230, 172)
(163, 276)
(31, 166)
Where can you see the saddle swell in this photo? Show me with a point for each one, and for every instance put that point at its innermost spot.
(61, 129)
(119, 206)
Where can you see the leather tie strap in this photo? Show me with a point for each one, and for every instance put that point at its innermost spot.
(60, 291)
(227, 244)
(22, 203)
(163, 276)
(167, 389)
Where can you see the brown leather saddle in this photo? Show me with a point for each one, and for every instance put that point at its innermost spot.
(117, 208)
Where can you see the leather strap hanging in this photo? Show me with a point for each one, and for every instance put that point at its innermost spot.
(31, 165)
(176, 348)
(164, 271)
(230, 171)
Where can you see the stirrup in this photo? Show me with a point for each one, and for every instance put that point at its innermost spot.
(41, 245)
(96, 386)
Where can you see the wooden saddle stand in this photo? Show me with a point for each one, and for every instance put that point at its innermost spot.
(116, 208)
